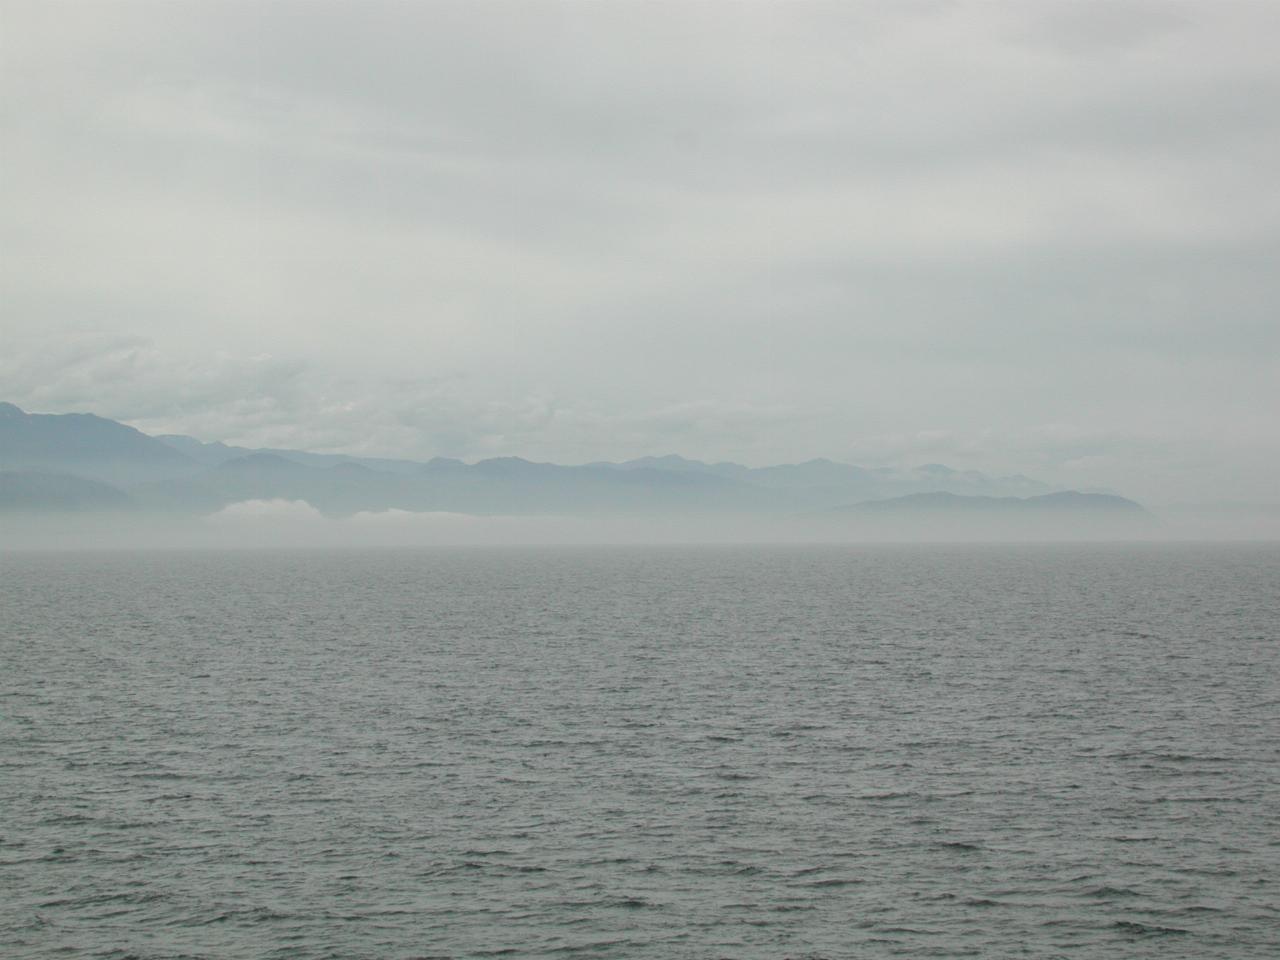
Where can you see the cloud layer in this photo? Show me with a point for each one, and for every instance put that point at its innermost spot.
(1033, 237)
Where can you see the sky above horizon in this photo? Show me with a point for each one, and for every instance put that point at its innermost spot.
(1017, 237)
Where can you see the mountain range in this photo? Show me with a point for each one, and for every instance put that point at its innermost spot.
(62, 462)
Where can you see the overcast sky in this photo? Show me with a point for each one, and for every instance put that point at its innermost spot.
(1036, 237)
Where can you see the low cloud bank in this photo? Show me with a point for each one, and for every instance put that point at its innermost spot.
(296, 522)
(268, 524)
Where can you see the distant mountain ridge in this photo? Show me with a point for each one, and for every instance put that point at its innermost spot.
(29, 491)
(175, 473)
(85, 445)
(942, 501)
(1062, 515)
(500, 485)
(212, 454)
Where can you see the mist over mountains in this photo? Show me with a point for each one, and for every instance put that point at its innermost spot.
(84, 464)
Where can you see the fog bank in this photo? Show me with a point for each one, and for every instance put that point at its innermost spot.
(268, 524)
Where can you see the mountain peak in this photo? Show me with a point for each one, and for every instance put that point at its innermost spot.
(11, 410)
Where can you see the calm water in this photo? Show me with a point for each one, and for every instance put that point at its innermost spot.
(701, 753)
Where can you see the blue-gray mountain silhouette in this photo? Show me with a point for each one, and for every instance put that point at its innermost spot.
(1066, 514)
(84, 445)
(498, 486)
(178, 474)
(951, 502)
(30, 491)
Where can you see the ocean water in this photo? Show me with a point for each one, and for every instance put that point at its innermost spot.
(746, 752)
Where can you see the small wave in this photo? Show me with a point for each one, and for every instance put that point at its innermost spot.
(598, 945)
(1134, 929)
(252, 915)
(913, 930)
(1106, 892)
(159, 775)
(612, 903)
(130, 897)
(1206, 871)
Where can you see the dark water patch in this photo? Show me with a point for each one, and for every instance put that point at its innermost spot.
(131, 897)
(247, 915)
(1107, 892)
(596, 946)
(67, 820)
(1132, 928)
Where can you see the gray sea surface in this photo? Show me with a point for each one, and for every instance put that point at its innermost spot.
(743, 752)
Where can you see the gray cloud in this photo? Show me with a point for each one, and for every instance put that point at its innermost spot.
(757, 231)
